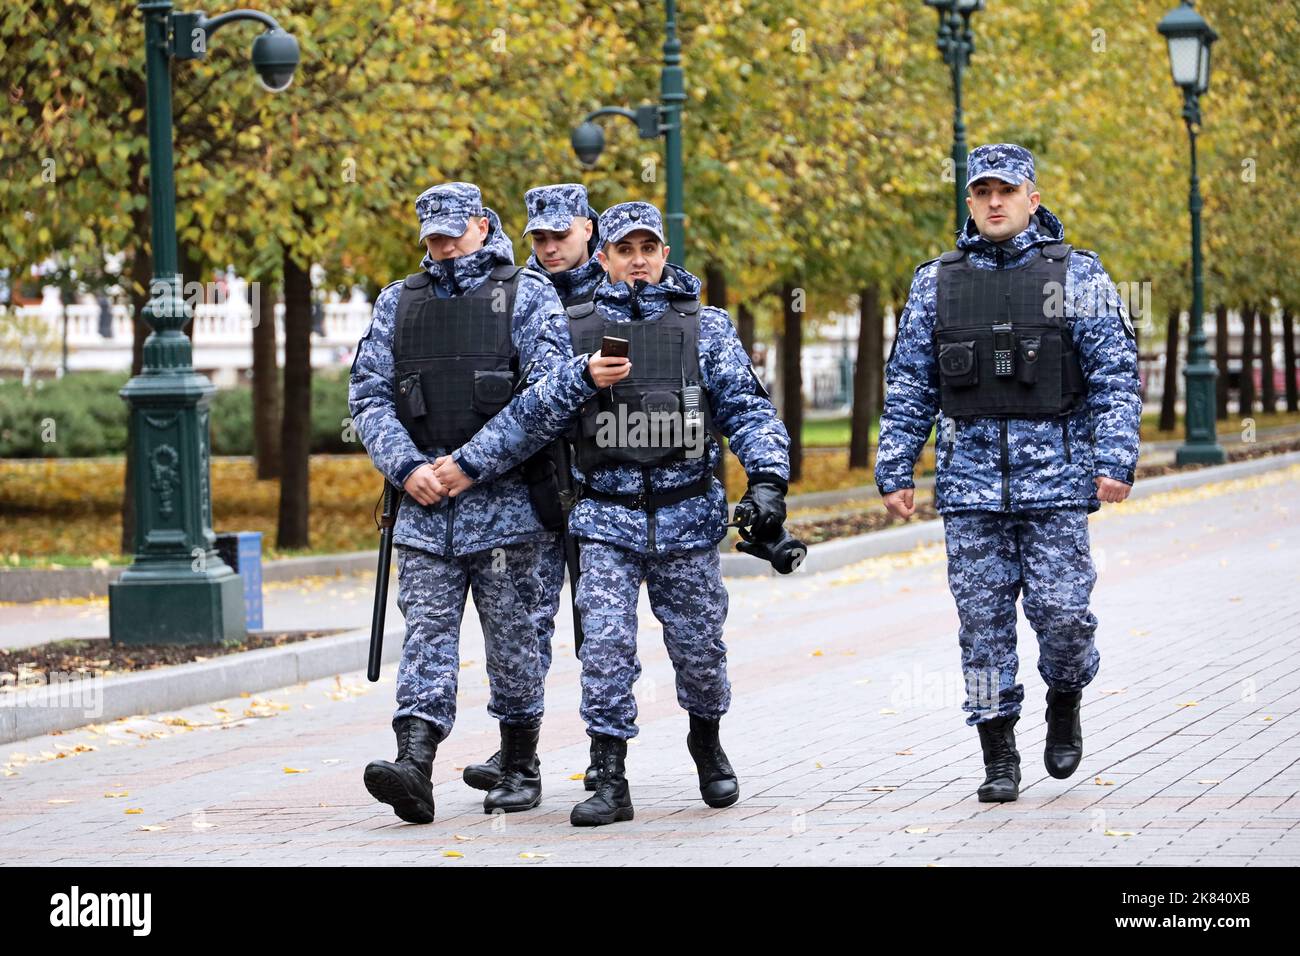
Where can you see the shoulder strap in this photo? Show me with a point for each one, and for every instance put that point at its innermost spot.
(1056, 251)
(505, 272)
(951, 256)
(686, 305)
(580, 310)
(417, 280)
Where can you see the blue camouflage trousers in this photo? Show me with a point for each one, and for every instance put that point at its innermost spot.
(512, 587)
(1042, 556)
(545, 588)
(690, 601)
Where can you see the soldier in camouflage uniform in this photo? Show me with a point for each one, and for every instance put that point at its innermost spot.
(655, 522)
(562, 226)
(1021, 348)
(490, 539)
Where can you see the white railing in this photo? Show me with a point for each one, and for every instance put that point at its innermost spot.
(222, 335)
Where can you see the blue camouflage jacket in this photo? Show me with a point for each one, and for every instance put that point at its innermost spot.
(992, 464)
(739, 406)
(491, 513)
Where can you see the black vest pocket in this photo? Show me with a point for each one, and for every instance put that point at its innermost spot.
(959, 364)
(492, 391)
(410, 399)
(1030, 348)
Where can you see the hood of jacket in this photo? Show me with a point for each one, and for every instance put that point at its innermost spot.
(466, 273)
(1043, 230)
(651, 301)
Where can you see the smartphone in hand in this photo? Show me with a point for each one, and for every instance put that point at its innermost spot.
(611, 347)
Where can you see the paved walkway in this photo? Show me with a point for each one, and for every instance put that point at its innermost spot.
(846, 731)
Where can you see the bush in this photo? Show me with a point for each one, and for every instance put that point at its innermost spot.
(80, 415)
(85, 417)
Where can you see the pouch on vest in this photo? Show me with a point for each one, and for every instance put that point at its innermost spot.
(1029, 351)
(958, 364)
(492, 391)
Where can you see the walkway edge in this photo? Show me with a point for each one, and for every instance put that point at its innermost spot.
(32, 712)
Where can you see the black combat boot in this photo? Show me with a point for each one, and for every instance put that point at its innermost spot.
(407, 784)
(612, 800)
(1064, 733)
(485, 775)
(718, 785)
(1001, 760)
(591, 779)
(520, 786)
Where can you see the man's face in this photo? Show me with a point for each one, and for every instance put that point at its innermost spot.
(1001, 210)
(638, 255)
(453, 247)
(562, 251)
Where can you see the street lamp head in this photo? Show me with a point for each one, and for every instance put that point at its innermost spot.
(275, 57)
(588, 142)
(1189, 38)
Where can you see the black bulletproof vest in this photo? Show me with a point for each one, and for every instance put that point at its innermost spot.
(454, 359)
(665, 389)
(1003, 344)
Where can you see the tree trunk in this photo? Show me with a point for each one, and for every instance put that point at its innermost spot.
(1221, 360)
(266, 384)
(1288, 352)
(1246, 393)
(295, 440)
(792, 376)
(745, 326)
(866, 370)
(1169, 395)
(1267, 391)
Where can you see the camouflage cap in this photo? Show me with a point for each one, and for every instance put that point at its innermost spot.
(1005, 161)
(617, 221)
(554, 207)
(445, 210)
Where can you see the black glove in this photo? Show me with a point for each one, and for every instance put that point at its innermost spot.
(765, 500)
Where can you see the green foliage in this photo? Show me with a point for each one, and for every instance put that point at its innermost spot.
(76, 416)
(816, 134)
(83, 416)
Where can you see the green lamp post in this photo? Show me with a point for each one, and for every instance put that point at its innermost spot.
(663, 120)
(177, 589)
(1189, 38)
(956, 44)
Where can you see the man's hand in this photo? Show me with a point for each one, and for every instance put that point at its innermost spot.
(424, 486)
(450, 475)
(899, 503)
(766, 502)
(606, 371)
(1108, 489)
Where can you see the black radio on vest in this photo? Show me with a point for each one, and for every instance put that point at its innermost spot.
(1011, 324)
